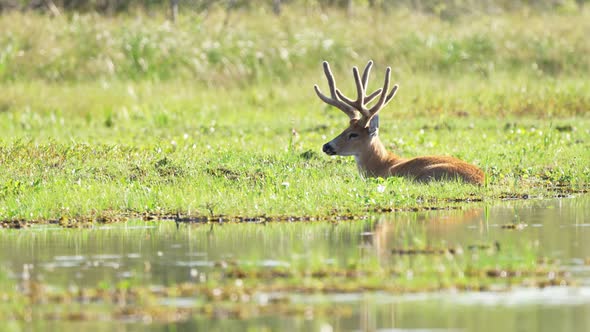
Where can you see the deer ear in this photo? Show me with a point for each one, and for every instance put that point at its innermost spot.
(374, 126)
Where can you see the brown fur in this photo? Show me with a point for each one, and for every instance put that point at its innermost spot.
(374, 160)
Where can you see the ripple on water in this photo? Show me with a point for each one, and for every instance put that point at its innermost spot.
(61, 264)
(70, 258)
(106, 256)
(550, 296)
(520, 296)
(196, 263)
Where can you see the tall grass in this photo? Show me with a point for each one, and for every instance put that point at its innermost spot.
(256, 47)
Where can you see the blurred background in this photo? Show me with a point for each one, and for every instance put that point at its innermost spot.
(233, 42)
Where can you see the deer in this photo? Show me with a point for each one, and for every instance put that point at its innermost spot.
(361, 138)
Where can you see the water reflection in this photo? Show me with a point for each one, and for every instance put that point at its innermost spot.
(165, 253)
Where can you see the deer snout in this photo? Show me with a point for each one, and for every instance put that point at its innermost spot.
(328, 149)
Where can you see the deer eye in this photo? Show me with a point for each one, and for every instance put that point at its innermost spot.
(352, 135)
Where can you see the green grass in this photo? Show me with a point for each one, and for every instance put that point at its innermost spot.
(103, 116)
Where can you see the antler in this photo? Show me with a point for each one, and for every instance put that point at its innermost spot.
(357, 109)
(352, 113)
(360, 104)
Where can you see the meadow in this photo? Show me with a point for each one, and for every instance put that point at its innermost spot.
(102, 118)
(128, 117)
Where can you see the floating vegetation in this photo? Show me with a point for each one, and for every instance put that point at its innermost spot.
(241, 293)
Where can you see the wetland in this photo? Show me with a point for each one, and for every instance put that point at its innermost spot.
(513, 265)
(159, 176)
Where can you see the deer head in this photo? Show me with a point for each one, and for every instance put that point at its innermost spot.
(364, 120)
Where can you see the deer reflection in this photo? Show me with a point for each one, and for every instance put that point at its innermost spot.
(425, 229)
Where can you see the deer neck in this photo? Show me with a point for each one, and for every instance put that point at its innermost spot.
(375, 160)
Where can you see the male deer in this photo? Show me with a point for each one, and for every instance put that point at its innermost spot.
(361, 138)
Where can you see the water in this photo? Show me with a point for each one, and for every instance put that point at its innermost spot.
(165, 254)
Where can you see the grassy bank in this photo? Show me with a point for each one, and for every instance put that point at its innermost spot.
(102, 116)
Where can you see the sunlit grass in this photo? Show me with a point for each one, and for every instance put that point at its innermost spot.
(131, 114)
(167, 148)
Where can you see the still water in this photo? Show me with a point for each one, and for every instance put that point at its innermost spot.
(165, 253)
